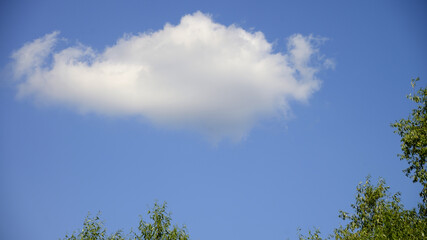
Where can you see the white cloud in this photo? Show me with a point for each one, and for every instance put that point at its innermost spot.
(200, 75)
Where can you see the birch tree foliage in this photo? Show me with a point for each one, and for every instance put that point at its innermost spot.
(158, 228)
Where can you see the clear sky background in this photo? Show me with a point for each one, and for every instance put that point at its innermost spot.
(66, 150)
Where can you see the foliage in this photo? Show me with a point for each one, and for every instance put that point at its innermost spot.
(414, 139)
(311, 235)
(160, 229)
(378, 214)
(93, 229)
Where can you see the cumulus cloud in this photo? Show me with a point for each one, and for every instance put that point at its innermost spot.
(199, 75)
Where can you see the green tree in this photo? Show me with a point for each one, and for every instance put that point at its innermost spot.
(93, 229)
(413, 131)
(380, 215)
(160, 228)
(376, 213)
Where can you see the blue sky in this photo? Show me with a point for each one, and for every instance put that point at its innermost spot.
(280, 129)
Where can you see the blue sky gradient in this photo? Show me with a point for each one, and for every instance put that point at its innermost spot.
(56, 164)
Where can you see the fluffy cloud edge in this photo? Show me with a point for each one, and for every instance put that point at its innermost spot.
(200, 75)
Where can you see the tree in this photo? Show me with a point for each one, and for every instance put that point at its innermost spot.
(93, 229)
(159, 229)
(376, 213)
(380, 215)
(414, 139)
